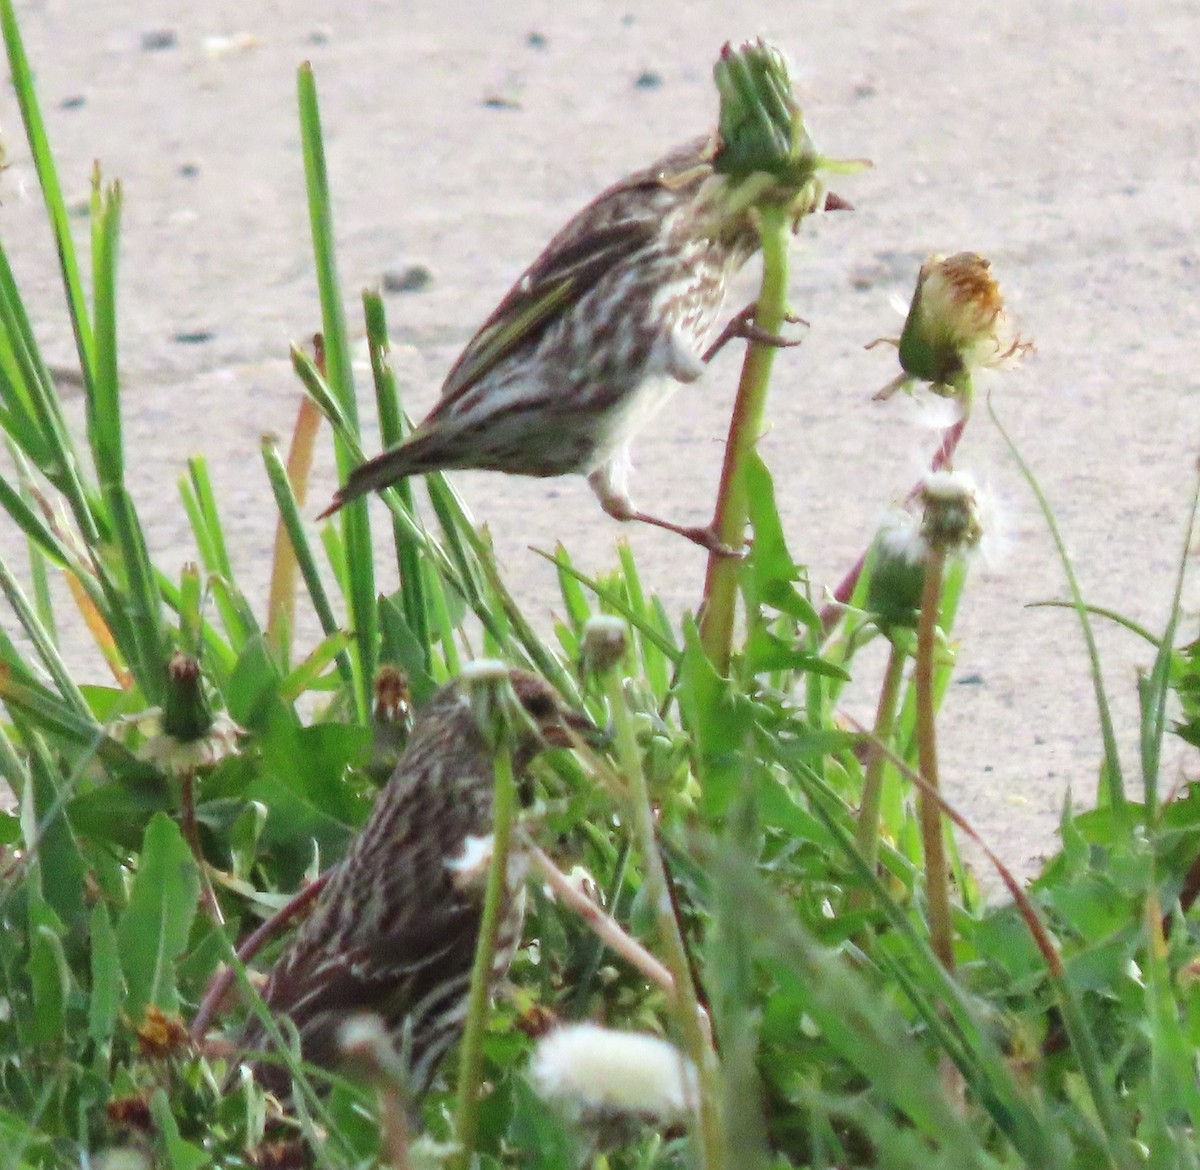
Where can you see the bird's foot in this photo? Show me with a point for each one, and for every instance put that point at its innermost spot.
(702, 534)
(741, 325)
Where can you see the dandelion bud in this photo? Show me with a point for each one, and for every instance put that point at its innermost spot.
(186, 713)
(605, 641)
(956, 324)
(761, 125)
(596, 1073)
(950, 523)
(897, 572)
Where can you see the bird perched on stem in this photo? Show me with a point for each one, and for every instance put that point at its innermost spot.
(394, 931)
(597, 333)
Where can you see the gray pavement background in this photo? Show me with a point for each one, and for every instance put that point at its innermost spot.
(1058, 139)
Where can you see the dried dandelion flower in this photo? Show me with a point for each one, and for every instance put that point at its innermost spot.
(604, 644)
(951, 520)
(185, 735)
(956, 324)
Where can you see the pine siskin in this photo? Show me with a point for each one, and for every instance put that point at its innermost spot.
(592, 340)
(395, 929)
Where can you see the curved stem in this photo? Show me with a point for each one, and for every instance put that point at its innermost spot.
(729, 519)
(470, 1062)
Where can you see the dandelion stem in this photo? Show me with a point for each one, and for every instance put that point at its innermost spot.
(691, 1018)
(191, 832)
(745, 427)
(937, 879)
(872, 794)
(470, 1063)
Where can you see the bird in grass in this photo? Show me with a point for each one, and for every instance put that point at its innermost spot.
(393, 933)
(592, 339)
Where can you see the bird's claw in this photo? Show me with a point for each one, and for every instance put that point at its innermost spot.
(742, 325)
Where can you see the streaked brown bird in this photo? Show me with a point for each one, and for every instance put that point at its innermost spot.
(395, 929)
(591, 341)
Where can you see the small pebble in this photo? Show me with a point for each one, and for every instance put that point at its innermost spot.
(495, 102)
(74, 102)
(648, 79)
(536, 40)
(155, 40)
(189, 170)
(321, 35)
(194, 337)
(414, 278)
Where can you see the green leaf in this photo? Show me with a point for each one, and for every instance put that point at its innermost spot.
(719, 719)
(181, 1154)
(49, 975)
(107, 983)
(154, 929)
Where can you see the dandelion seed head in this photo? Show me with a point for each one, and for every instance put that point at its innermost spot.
(594, 1072)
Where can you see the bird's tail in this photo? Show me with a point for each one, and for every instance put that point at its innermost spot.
(411, 457)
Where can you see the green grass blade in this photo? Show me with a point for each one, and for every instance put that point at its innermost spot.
(43, 642)
(356, 526)
(39, 148)
(1113, 783)
(103, 391)
(392, 430)
(1154, 688)
(285, 500)
(207, 504)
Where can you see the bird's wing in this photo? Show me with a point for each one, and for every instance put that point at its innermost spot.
(380, 973)
(613, 226)
(548, 288)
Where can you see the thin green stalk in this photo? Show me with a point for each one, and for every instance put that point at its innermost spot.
(1112, 779)
(191, 834)
(937, 877)
(470, 1061)
(872, 794)
(711, 1139)
(749, 410)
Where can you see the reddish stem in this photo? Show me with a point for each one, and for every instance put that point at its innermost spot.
(255, 941)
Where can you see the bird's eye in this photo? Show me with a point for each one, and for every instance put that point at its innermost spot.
(540, 706)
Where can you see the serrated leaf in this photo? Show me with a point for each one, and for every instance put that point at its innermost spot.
(154, 929)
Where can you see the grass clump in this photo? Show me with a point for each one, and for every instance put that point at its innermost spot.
(781, 896)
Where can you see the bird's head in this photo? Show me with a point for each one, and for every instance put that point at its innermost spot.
(556, 723)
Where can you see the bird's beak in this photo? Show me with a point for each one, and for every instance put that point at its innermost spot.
(572, 724)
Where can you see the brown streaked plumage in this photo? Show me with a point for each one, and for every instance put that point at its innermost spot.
(394, 931)
(589, 343)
